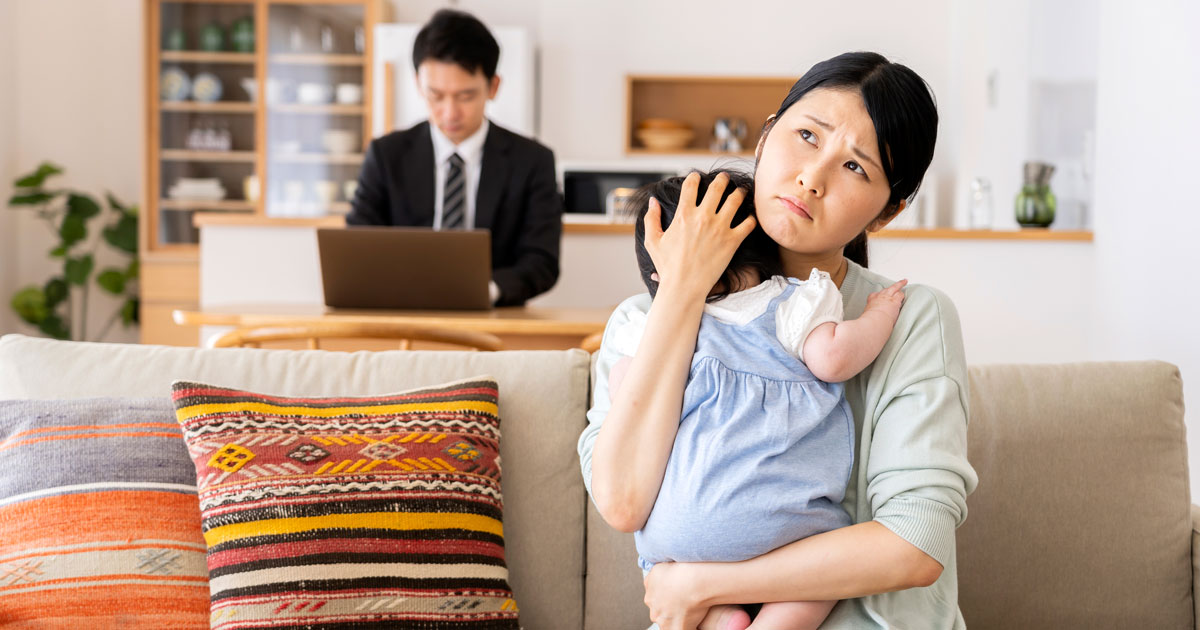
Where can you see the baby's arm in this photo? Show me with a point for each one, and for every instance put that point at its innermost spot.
(835, 352)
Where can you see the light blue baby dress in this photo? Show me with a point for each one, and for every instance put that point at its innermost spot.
(763, 452)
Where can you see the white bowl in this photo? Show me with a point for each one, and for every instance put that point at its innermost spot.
(251, 88)
(314, 93)
(349, 93)
(339, 141)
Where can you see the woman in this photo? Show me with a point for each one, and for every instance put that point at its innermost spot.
(842, 157)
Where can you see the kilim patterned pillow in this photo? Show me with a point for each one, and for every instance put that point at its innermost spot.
(98, 520)
(368, 512)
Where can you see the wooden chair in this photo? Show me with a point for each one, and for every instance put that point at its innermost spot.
(591, 343)
(405, 334)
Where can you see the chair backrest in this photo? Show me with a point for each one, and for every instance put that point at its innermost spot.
(1082, 517)
(404, 334)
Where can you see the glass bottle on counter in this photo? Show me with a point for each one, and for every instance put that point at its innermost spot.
(1035, 204)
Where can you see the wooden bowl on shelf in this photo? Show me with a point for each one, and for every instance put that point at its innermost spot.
(665, 139)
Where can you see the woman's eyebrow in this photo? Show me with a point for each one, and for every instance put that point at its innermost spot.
(857, 151)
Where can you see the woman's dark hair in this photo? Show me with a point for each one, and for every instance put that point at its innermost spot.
(901, 106)
(758, 252)
(457, 37)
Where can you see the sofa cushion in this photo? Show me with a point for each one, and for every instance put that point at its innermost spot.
(98, 518)
(1082, 516)
(543, 398)
(377, 511)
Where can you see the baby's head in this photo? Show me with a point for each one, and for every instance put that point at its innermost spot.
(756, 259)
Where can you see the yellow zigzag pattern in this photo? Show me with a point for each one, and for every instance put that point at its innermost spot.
(409, 464)
(416, 438)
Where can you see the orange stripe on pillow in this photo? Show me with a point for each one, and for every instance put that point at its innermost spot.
(79, 436)
(142, 605)
(75, 518)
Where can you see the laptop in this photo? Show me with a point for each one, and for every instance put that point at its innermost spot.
(405, 268)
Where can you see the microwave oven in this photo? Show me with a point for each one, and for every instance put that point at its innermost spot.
(599, 194)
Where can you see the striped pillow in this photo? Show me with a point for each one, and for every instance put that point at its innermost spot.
(379, 511)
(98, 520)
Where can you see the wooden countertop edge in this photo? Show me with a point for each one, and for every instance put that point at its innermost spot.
(203, 219)
(494, 326)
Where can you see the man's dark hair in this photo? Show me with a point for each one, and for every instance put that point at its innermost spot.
(758, 252)
(456, 37)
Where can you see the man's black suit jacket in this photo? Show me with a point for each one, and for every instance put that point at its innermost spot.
(517, 200)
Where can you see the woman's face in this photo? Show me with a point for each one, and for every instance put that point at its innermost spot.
(819, 179)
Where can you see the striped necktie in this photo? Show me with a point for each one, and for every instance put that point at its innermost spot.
(454, 200)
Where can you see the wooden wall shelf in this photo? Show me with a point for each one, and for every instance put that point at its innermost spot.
(199, 56)
(224, 107)
(698, 101)
(224, 205)
(185, 155)
(318, 158)
(319, 60)
(1026, 234)
(344, 110)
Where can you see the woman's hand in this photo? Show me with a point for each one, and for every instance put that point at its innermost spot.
(671, 595)
(696, 248)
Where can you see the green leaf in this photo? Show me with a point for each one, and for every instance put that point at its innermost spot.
(38, 177)
(116, 204)
(134, 270)
(56, 290)
(58, 252)
(78, 269)
(129, 312)
(123, 234)
(82, 206)
(72, 230)
(54, 326)
(112, 280)
(31, 199)
(30, 305)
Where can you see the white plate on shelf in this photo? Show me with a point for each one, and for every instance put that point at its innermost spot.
(174, 84)
(206, 88)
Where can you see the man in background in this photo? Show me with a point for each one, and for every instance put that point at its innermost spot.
(458, 170)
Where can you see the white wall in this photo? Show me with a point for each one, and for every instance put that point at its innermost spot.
(586, 48)
(1147, 207)
(76, 91)
(8, 228)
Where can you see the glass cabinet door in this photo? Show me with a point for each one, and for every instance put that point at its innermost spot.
(203, 156)
(316, 107)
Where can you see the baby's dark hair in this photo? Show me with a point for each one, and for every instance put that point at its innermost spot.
(757, 253)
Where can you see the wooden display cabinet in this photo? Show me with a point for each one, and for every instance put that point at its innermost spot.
(698, 101)
(280, 140)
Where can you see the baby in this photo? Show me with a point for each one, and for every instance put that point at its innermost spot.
(765, 442)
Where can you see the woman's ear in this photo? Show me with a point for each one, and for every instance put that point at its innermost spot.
(886, 217)
(762, 137)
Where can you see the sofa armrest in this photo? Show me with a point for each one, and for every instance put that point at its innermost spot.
(1196, 565)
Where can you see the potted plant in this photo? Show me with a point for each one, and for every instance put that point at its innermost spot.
(69, 213)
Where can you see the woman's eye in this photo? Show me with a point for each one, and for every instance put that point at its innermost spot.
(808, 136)
(857, 168)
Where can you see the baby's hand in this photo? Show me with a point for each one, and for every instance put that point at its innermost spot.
(888, 300)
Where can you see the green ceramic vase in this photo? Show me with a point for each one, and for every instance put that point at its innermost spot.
(241, 35)
(175, 39)
(212, 38)
(1035, 204)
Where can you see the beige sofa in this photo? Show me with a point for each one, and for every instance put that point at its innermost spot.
(1082, 518)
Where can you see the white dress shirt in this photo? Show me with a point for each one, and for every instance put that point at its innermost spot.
(471, 152)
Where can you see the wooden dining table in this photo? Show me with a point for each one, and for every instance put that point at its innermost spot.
(519, 327)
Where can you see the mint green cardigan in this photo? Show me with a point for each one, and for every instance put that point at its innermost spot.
(910, 470)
